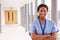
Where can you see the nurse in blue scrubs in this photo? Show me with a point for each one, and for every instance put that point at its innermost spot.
(42, 28)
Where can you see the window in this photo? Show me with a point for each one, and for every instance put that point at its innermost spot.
(39, 2)
(48, 3)
(10, 16)
(58, 13)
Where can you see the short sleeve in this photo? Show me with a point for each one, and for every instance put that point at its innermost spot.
(55, 28)
(32, 28)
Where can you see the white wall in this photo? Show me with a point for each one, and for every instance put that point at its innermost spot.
(15, 5)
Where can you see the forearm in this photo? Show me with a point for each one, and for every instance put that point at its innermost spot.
(50, 38)
(39, 37)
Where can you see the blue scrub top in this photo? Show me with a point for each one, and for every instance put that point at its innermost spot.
(50, 27)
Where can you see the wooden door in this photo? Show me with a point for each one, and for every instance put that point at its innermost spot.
(10, 16)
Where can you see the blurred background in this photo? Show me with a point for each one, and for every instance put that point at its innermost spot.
(14, 13)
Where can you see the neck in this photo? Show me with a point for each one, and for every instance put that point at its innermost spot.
(42, 20)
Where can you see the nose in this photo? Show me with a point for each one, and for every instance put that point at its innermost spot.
(43, 12)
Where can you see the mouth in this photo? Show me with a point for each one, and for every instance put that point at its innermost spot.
(42, 15)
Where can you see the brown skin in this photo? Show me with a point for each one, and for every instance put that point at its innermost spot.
(42, 13)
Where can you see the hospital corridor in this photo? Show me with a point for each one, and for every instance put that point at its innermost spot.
(16, 17)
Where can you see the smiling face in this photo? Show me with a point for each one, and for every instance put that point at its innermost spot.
(42, 12)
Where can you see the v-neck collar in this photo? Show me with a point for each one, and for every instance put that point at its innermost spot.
(43, 29)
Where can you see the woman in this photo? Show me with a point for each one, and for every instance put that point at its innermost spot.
(43, 29)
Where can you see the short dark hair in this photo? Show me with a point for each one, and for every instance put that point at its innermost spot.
(42, 5)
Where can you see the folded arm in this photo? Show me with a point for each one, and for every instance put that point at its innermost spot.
(52, 37)
(34, 36)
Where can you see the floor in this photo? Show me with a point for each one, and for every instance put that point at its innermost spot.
(14, 33)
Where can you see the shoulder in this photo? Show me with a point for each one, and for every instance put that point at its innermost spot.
(50, 21)
(35, 21)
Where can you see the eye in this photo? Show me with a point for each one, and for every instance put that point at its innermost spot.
(44, 10)
(41, 10)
